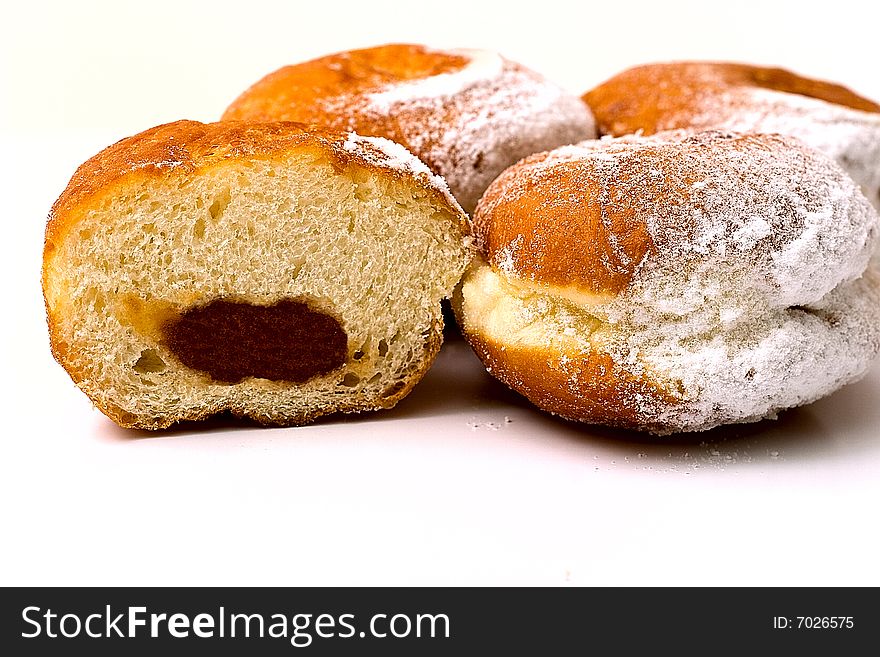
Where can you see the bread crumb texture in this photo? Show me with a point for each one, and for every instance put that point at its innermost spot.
(674, 282)
(186, 214)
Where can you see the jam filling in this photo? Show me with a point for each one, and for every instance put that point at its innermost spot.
(230, 341)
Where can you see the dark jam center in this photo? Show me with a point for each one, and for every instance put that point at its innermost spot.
(231, 341)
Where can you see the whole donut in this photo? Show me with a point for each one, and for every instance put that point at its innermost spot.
(674, 282)
(745, 98)
(468, 114)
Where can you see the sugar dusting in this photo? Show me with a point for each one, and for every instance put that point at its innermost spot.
(482, 65)
(162, 164)
(850, 136)
(472, 124)
(391, 155)
(756, 296)
(695, 459)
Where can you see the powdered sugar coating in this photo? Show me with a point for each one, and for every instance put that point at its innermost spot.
(778, 215)
(850, 136)
(745, 98)
(468, 114)
(752, 294)
(473, 129)
(769, 361)
(386, 153)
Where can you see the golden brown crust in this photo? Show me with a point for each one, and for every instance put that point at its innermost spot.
(578, 217)
(586, 387)
(666, 96)
(540, 208)
(468, 114)
(184, 147)
(296, 92)
(305, 92)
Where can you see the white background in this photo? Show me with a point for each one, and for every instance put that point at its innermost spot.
(462, 483)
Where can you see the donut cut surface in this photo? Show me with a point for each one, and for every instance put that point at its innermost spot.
(277, 271)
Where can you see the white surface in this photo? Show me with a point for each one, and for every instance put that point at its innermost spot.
(441, 490)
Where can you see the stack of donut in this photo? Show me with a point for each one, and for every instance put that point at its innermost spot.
(706, 261)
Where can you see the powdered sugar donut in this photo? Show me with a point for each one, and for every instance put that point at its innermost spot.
(674, 282)
(739, 97)
(468, 114)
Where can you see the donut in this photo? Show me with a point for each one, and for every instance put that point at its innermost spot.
(744, 98)
(675, 282)
(468, 114)
(277, 271)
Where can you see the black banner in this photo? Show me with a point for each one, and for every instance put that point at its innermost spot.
(445, 621)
